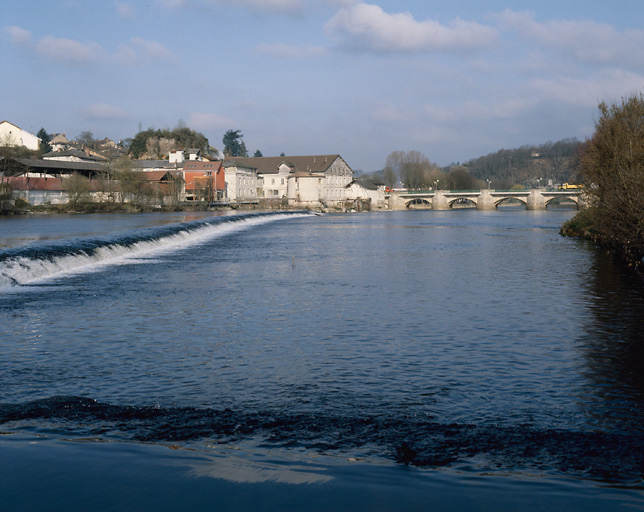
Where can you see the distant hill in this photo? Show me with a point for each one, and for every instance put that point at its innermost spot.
(553, 161)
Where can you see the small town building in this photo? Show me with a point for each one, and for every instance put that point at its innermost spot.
(242, 183)
(204, 181)
(12, 135)
(365, 192)
(306, 181)
(59, 142)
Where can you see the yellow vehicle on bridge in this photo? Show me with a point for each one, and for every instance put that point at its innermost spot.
(568, 186)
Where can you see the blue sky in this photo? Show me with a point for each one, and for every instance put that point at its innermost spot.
(454, 79)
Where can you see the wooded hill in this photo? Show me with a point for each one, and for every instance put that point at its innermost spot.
(555, 161)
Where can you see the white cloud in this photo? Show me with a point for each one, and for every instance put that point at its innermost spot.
(285, 51)
(586, 41)
(18, 35)
(105, 111)
(367, 26)
(607, 85)
(124, 10)
(68, 51)
(151, 49)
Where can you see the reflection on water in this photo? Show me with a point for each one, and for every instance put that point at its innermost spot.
(614, 342)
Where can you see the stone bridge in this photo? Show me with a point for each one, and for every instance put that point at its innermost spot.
(534, 199)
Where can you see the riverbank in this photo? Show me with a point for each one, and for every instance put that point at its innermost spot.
(584, 225)
(23, 208)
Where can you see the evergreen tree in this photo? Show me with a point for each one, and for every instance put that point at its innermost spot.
(234, 143)
(44, 137)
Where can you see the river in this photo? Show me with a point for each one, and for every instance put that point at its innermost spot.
(286, 361)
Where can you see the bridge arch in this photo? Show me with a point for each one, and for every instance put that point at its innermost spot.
(510, 201)
(462, 202)
(418, 203)
(563, 199)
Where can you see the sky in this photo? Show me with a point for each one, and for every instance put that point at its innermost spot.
(453, 79)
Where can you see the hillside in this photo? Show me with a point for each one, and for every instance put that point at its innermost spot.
(556, 162)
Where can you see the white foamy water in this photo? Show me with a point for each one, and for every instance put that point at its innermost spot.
(22, 271)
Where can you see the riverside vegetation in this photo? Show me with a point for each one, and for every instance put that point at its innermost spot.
(612, 164)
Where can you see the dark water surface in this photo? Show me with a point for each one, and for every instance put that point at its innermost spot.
(472, 357)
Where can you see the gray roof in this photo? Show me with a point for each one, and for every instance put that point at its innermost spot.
(161, 164)
(271, 164)
(73, 152)
(367, 183)
(59, 165)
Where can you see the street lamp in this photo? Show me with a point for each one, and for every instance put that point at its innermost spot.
(436, 184)
(489, 182)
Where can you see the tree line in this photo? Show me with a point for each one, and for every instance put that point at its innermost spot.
(525, 167)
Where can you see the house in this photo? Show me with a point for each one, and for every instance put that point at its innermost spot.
(12, 135)
(59, 142)
(167, 184)
(181, 155)
(366, 192)
(294, 177)
(242, 183)
(204, 180)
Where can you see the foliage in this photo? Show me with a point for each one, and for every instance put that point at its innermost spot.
(234, 143)
(258, 154)
(153, 143)
(16, 152)
(612, 163)
(556, 161)
(44, 137)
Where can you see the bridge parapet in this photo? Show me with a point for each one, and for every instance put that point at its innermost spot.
(486, 199)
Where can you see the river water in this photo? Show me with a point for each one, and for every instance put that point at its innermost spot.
(463, 359)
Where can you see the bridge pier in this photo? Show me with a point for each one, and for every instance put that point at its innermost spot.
(439, 201)
(485, 201)
(536, 201)
(396, 202)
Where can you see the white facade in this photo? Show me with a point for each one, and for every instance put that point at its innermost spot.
(11, 135)
(176, 156)
(315, 189)
(241, 182)
(361, 191)
(275, 185)
(306, 189)
(338, 176)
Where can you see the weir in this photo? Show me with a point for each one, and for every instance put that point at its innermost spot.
(485, 200)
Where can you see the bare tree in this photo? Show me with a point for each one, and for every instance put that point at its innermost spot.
(414, 169)
(612, 163)
(78, 188)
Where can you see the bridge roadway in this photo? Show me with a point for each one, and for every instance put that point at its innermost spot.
(534, 199)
